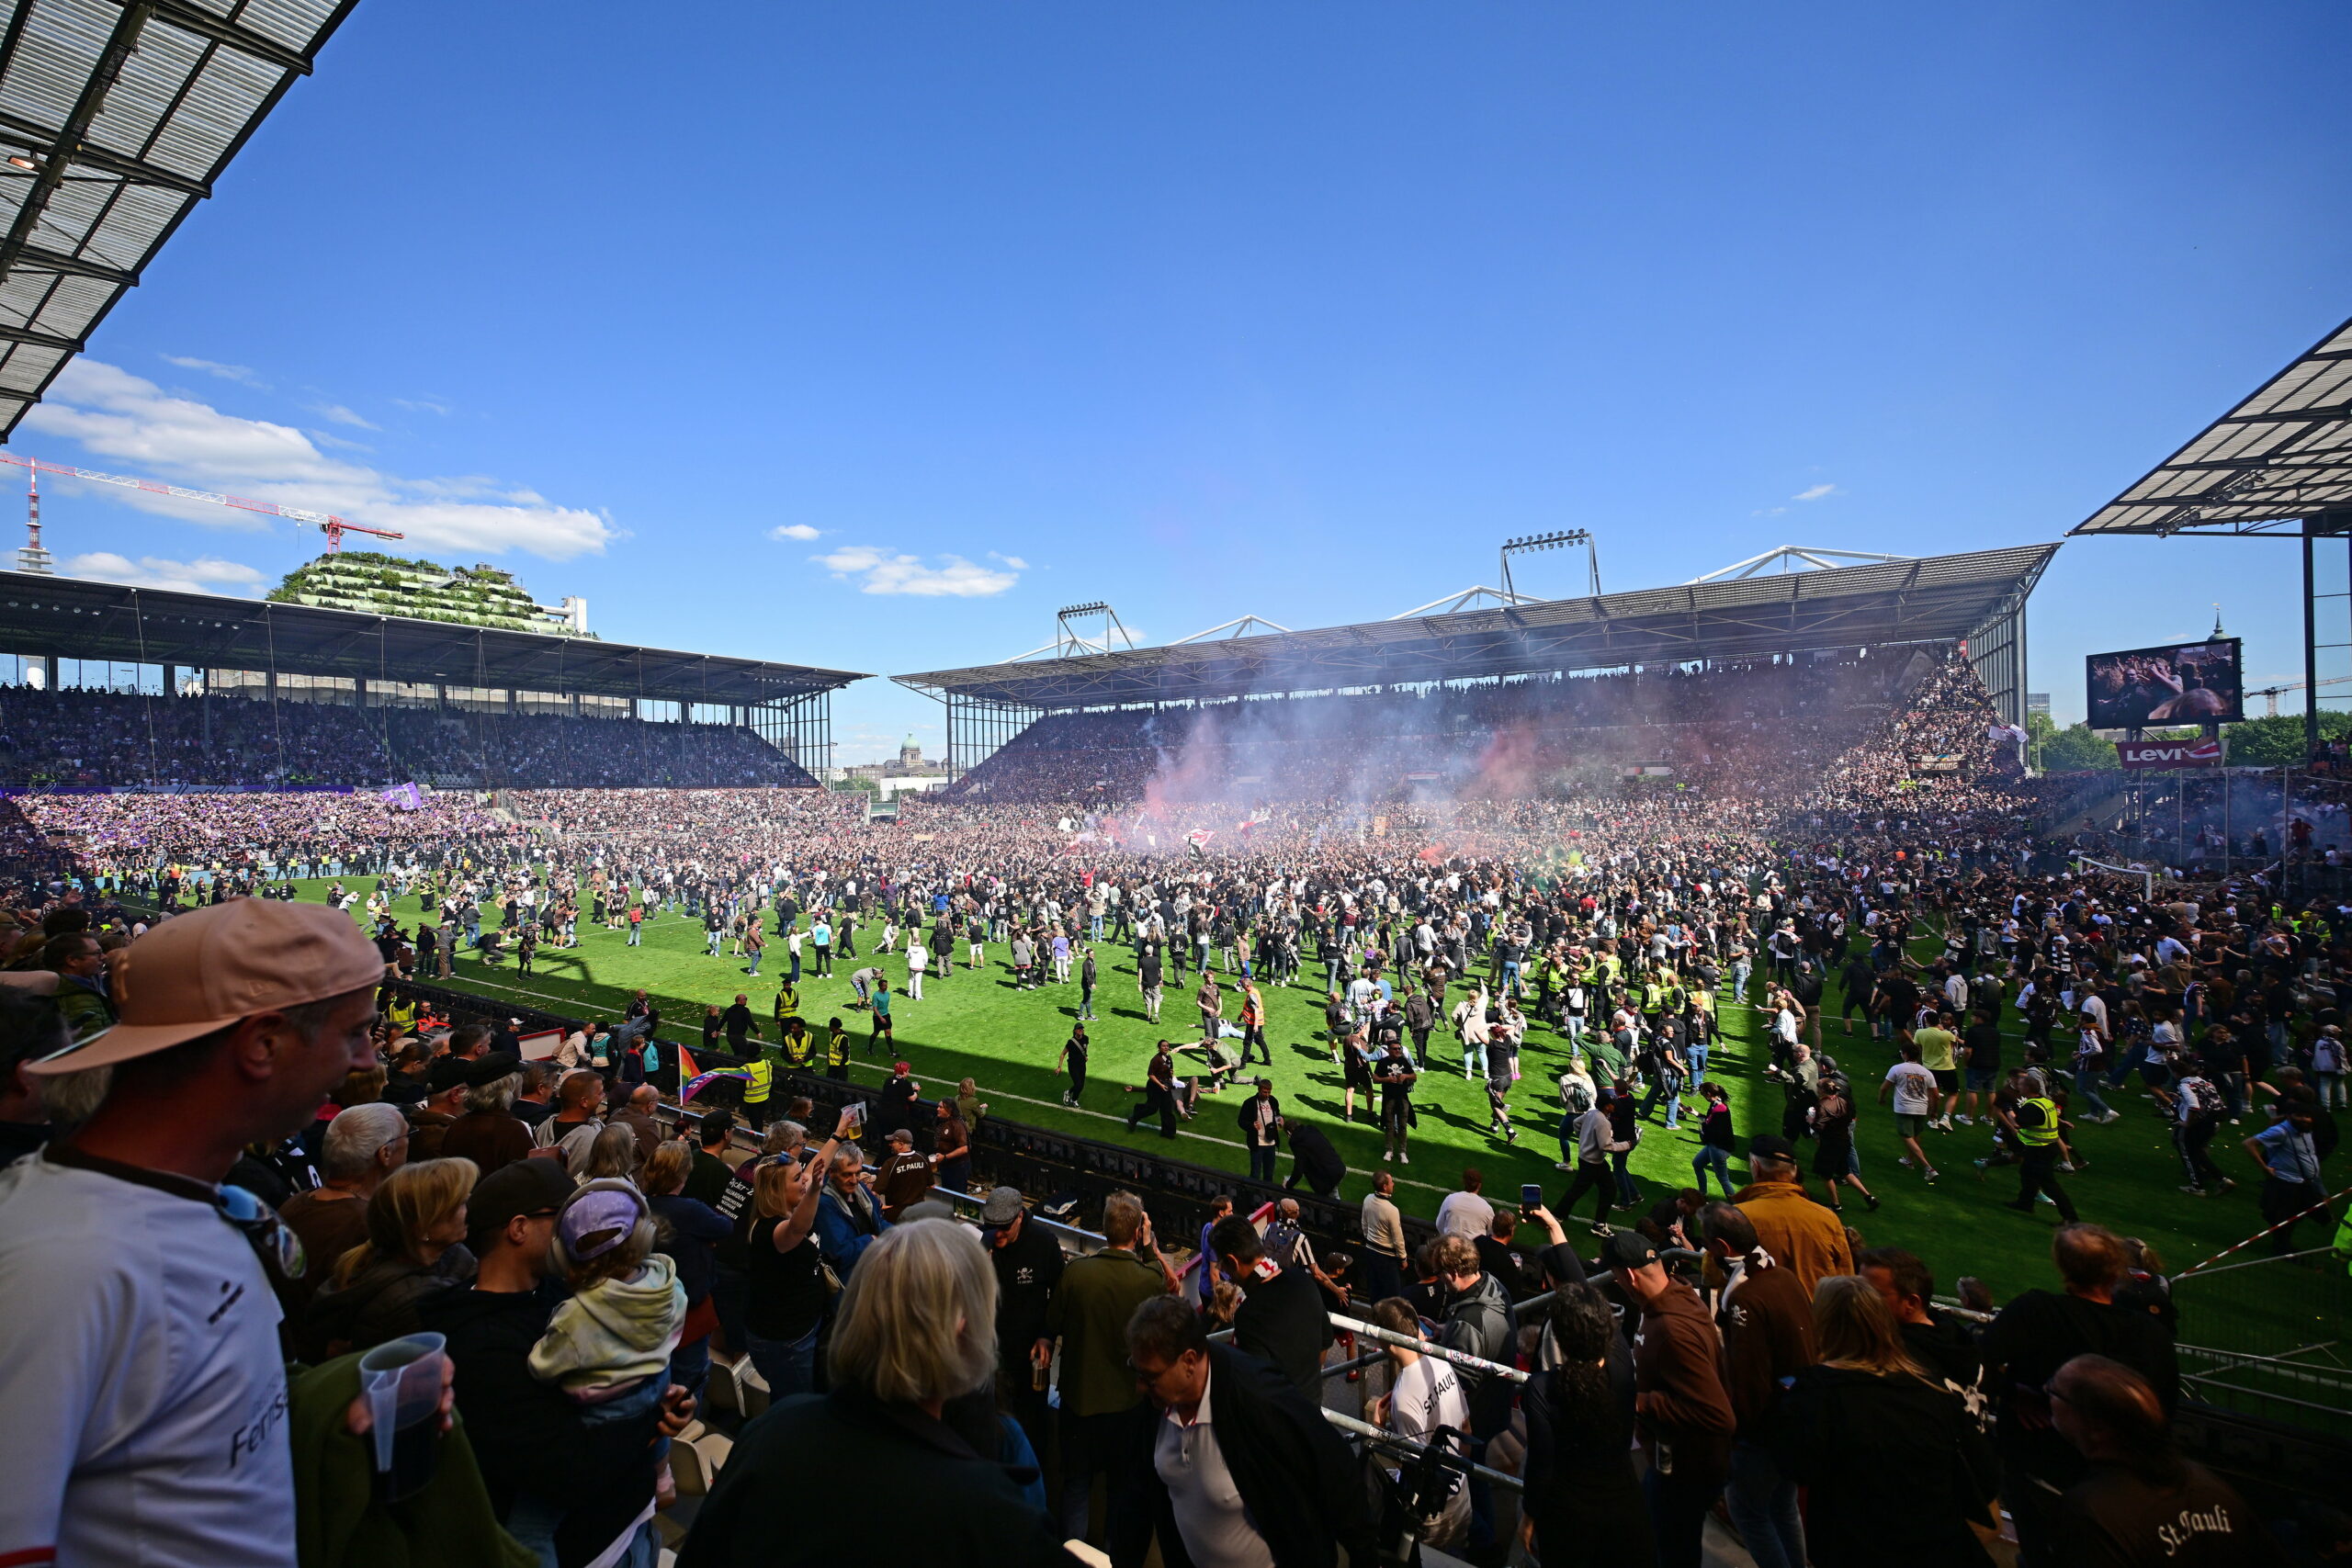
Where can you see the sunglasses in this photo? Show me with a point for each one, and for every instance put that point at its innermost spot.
(271, 1238)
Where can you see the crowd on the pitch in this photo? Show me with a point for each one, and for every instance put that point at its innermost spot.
(614, 1282)
(608, 1284)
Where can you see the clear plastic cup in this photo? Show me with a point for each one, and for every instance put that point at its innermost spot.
(402, 1381)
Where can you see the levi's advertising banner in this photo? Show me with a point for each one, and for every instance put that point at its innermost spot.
(2169, 753)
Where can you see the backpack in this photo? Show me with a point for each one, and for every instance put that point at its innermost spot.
(1576, 1095)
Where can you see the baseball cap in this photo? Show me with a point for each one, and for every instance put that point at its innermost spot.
(1002, 1207)
(598, 1220)
(1764, 1146)
(484, 1070)
(517, 1187)
(200, 972)
(1628, 1249)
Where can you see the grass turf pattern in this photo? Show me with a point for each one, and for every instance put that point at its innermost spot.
(976, 1024)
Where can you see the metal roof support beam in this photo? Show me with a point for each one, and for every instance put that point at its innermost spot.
(220, 30)
(40, 340)
(37, 258)
(18, 244)
(47, 141)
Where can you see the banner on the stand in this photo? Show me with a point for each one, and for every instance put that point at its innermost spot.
(2169, 753)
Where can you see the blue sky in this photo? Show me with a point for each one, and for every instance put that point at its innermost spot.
(1210, 310)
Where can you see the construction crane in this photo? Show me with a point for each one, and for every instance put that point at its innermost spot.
(333, 527)
(2271, 693)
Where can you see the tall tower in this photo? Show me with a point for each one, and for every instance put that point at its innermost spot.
(32, 558)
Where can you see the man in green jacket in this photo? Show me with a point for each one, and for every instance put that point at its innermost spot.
(1105, 1423)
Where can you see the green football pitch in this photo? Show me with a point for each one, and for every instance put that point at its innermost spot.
(976, 1024)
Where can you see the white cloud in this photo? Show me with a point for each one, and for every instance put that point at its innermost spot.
(1814, 494)
(337, 441)
(421, 405)
(800, 531)
(205, 574)
(1015, 562)
(117, 415)
(335, 413)
(239, 373)
(887, 571)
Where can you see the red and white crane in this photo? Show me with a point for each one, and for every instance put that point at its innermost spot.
(332, 526)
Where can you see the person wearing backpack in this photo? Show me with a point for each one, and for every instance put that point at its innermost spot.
(2195, 1106)
(2328, 1060)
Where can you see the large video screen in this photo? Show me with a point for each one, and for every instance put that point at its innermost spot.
(2191, 682)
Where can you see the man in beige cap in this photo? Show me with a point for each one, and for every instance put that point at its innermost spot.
(144, 1374)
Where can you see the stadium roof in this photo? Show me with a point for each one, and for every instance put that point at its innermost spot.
(115, 117)
(2277, 460)
(1936, 599)
(69, 618)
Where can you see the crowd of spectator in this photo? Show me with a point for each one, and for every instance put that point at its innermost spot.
(76, 739)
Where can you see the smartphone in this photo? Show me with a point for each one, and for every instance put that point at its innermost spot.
(1531, 1196)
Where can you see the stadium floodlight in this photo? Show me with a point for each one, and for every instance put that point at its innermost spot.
(1561, 539)
(1071, 642)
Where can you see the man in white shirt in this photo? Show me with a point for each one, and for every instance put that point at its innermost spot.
(1914, 1089)
(145, 1388)
(1244, 1467)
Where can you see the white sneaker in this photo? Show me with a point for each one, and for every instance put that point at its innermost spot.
(1965, 1121)
(1404, 1159)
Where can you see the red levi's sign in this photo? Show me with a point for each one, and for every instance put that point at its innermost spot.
(2169, 753)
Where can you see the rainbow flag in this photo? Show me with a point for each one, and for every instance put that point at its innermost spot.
(694, 1085)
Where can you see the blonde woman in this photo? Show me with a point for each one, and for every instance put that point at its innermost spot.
(1897, 1469)
(415, 1246)
(915, 1338)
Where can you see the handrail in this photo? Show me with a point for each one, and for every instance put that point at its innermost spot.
(1427, 1347)
(1386, 1439)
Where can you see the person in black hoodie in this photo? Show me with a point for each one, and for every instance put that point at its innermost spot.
(1281, 1321)
(1314, 1161)
(2143, 1506)
(1895, 1468)
(556, 1482)
(1941, 1344)
(1582, 1500)
(2041, 1331)
(1299, 1489)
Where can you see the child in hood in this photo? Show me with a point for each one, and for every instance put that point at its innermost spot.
(609, 1346)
